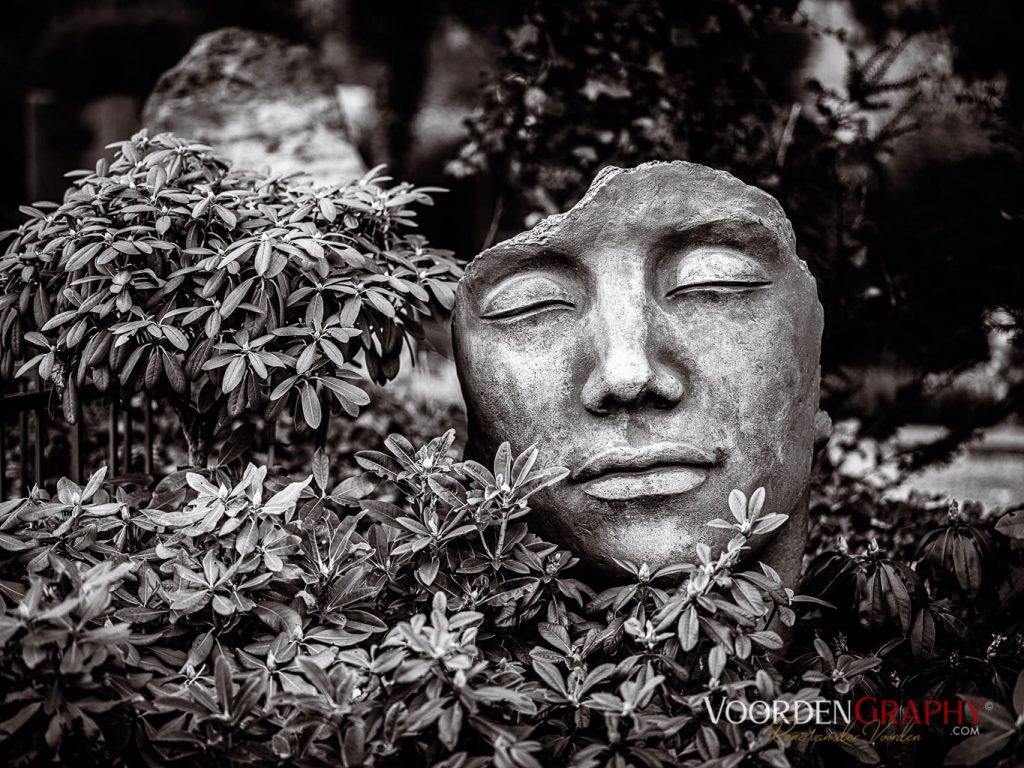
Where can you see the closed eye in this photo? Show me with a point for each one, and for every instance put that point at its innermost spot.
(528, 310)
(719, 286)
(529, 294)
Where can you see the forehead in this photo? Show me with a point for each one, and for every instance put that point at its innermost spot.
(659, 203)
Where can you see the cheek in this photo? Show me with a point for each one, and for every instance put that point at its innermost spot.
(754, 368)
(778, 408)
(521, 388)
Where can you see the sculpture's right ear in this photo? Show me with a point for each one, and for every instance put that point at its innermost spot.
(822, 430)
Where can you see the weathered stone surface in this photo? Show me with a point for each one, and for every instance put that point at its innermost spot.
(662, 341)
(261, 101)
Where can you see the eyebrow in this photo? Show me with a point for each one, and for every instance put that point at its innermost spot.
(503, 264)
(745, 234)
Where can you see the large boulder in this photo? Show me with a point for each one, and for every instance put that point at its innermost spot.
(261, 101)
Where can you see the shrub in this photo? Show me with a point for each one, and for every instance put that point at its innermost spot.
(238, 618)
(224, 292)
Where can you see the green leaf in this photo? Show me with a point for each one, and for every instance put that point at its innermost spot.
(235, 297)
(767, 639)
(557, 636)
(226, 216)
(176, 337)
(688, 628)
(1012, 524)
(233, 375)
(190, 602)
(237, 444)
(321, 469)
(427, 572)
(306, 359)
(176, 519)
(10, 543)
(12, 724)
(279, 617)
(327, 209)
(549, 673)
(173, 370)
(897, 599)
(448, 490)
(139, 614)
(310, 406)
(443, 293)
(922, 634)
(976, 749)
(449, 726)
(247, 538)
(285, 499)
(200, 649)
(345, 390)
(59, 319)
(378, 463)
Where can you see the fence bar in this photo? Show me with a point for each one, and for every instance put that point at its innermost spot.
(112, 440)
(37, 447)
(40, 435)
(3, 458)
(23, 401)
(270, 437)
(76, 448)
(23, 450)
(147, 432)
(127, 466)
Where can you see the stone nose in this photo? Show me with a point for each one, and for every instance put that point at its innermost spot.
(629, 372)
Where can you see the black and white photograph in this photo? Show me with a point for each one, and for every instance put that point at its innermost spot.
(591, 383)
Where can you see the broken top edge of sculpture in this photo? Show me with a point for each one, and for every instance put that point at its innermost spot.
(539, 233)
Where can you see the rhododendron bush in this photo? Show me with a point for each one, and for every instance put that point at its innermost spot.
(222, 293)
(232, 616)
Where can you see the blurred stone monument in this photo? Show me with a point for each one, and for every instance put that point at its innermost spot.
(261, 101)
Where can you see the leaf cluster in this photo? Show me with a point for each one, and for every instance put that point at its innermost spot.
(250, 619)
(227, 292)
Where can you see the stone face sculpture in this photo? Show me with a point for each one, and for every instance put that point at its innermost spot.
(662, 341)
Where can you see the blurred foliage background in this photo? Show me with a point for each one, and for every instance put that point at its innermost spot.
(891, 132)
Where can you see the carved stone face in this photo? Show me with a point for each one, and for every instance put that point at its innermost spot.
(661, 340)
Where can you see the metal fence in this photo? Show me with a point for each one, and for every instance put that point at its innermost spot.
(34, 448)
(37, 449)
